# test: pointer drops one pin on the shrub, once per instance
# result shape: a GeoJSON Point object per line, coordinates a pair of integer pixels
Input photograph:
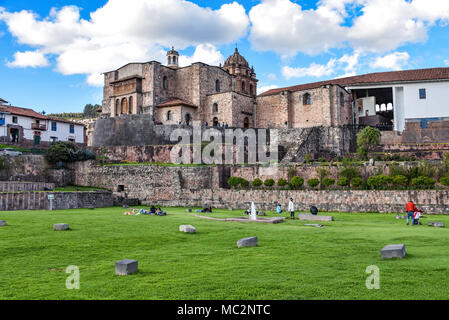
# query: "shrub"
{"type": "Point", "coordinates": [61, 152]}
{"type": "Point", "coordinates": [244, 183]}
{"type": "Point", "coordinates": [327, 182]}
{"type": "Point", "coordinates": [282, 182]}
{"type": "Point", "coordinates": [350, 173]}
{"type": "Point", "coordinates": [343, 182]}
{"type": "Point", "coordinates": [423, 182]}
{"type": "Point", "coordinates": [357, 182]}
{"type": "Point", "coordinates": [234, 181]}
{"type": "Point", "coordinates": [379, 182]}
{"type": "Point", "coordinates": [400, 181]}
{"type": "Point", "coordinates": [296, 182]}
{"type": "Point", "coordinates": [313, 182]}
{"type": "Point", "coordinates": [444, 181]}
{"type": "Point", "coordinates": [256, 182]}
{"type": "Point", "coordinates": [269, 182]}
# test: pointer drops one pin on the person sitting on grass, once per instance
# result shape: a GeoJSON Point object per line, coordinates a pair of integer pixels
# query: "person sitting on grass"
{"type": "Point", "coordinates": [130, 213]}
{"type": "Point", "coordinates": [159, 212]}
{"type": "Point", "coordinates": [279, 208]}
{"type": "Point", "coordinates": [152, 210]}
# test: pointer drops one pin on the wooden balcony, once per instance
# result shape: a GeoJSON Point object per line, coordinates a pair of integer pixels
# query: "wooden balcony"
{"type": "Point", "coordinates": [37, 126]}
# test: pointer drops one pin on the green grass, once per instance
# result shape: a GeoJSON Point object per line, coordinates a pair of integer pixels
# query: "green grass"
{"type": "Point", "coordinates": [292, 261]}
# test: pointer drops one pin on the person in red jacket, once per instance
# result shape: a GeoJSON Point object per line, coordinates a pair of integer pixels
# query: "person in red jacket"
{"type": "Point", "coordinates": [410, 208]}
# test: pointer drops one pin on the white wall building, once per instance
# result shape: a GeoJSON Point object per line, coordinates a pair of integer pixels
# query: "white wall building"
{"type": "Point", "coordinates": [27, 127]}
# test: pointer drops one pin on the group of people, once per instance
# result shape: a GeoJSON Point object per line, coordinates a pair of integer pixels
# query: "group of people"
{"type": "Point", "coordinates": [152, 212]}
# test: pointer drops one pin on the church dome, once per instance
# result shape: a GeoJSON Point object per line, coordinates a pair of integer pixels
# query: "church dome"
{"type": "Point", "coordinates": [236, 60]}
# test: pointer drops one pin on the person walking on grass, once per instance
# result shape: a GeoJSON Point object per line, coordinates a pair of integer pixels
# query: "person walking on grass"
{"type": "Point", "coordinates": [410, 208]}
{"type": "Point", "coordinates": [291, 208]}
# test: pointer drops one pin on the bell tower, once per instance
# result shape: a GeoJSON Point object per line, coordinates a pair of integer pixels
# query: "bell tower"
{"type": "Point", "coordinates": [173, 58]}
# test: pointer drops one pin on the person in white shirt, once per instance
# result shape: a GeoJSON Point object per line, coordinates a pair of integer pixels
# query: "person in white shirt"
{"type": "Point", "coordinates": [417, 214]}
{"type": "Point", "coordinates": [291, 208]}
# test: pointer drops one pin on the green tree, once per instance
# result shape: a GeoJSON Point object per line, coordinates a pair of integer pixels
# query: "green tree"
{"type": "Point", "coordinates": [90, 111]}
{"type": "Point", "coordinates": [327, 182]}
{"type": "Point", "coordinates": [368, 138]}
{"type": "Point", "coordinates": [296, 182]}
{"type": "Point", "coordinates": [269, 182]}
{"type": "Point", "coordinates": [282, 182]}
{"type": "Point", "coordinates": [313, 183]}
{"type": "Point", "coordinates": [256, 182]}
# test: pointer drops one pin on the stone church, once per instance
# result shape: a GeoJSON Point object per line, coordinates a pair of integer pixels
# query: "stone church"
{"type": "Point", "coordinates": [174, 95]}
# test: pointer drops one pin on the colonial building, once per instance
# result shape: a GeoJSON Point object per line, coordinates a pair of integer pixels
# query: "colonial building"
{"type": "Point", "coordinates": [26, 127]}
{"type": "Point", "coordinates": [214, 95]}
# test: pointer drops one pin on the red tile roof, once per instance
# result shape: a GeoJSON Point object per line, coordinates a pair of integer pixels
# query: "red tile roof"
{"type": "Point", "coordinates": [3, 101]}
{"type": "Point", "coordinates": [24, 112]}
{"type": "Point", "coordinates": [33, 114]}
{"type": "Point", "coordinates": [176, 102]}
{"type": "Point", "coordinates": [373, 78]}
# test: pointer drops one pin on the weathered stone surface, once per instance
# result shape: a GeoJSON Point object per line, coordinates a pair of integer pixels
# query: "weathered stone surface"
{"type": "Point", "coordinates": [126, 267]}
{"type": "Point", "coordinates": [61, 227]}
{"type": "Point", "coordinates": [187, 229]}
{"type": "Point", "coordinates": [315, 225]}
{"type": "Point", "coordinates": [393, 251]}
{"type": "Point", "coordinates": [248, 242]}
{"type": "Point", "coordinates": [436, 224]}
{"type": "Point", "coordinates": [261, 213]}
{"type": "Point", "coordinates": [2, 223]}
{"type": "Point", "coordinates": [311, 217]}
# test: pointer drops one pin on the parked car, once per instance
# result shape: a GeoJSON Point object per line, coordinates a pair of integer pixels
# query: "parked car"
{"type": "Point", "coordinates": [10, 152]}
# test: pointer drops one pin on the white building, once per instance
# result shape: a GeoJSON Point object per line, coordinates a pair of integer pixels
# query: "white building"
{"type": "Point", "coordinates": [27, 127]}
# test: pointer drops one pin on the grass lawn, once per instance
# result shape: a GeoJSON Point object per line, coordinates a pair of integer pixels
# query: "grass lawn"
{"type": "Point", "coordinates": [292, 261]}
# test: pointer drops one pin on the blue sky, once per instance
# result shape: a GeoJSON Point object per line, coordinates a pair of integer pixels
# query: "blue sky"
{"type": "Point", "coordinates": [53, 52]}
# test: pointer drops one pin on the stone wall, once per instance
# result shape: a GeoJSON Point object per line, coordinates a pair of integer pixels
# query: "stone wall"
{"type": "Point", "coordinates": [34, 168]}
{"type": "Point", "coordinates": [62, 200]}
{"type": "Point", "coordinates": [8, 186]}
{"type": "Point", "coordinates": [197, 186]}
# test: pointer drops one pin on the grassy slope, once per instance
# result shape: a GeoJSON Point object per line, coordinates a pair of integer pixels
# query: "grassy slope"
{"type": "Point", "coordinates": [292, 261]}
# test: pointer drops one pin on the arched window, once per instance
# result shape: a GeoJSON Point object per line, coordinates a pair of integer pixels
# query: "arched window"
{"type": "Point", "coordinates": [342, 99]}
{"type": "Point", "coordinates": [124, 106]}
{"type": "Point", "coordinates": [169, 115]}
{"type": "Point", "coordinates": [174, 60]}
{"type": "Point", "coordinates": [306, 99]}
{"type": "Point", "coordinates": [217, 85]}
{"type": "Point", "coordinates": [215, 108]}
{"type": "Point", "coordinates": [165, 83]}
{"type": "Point", "coordinates": [117, 107]}
{"type": "Point", "coordinates": [243, 86]}
{"type": "Point", "coordinates": [130, 105]}
{"type": "Point", "coordinates": [169, 60]}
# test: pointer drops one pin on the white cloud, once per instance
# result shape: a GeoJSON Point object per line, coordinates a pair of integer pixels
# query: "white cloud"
{"type": "Point", "coordinates": [124, 31]}
{"type": "Point", "coordinates": [266, 88]}
{"type": "Point", "coordinates": [393, 61]}
{"type": "Point", "coordinates": [347, 64]}
{"type": "Point", "coordinates": [31, 59]}
{"type": "Point", "coordinates": [206, 53]}
{"type": "Point", "coordinates": [314, 70]}
{"type": "Point", "coordinates": [446, 62]}
{"type": "Point", "coordinates": [271, 76]}
{"type": "Point", "coordinates": [382, 26]}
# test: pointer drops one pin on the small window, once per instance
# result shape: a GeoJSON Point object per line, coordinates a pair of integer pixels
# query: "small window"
{"type": "Point", "coordinates": [422, 94]}
{"type": "Point", "coordinates": [72, 128]}
{"type": "Point", "coordinates": [53, 139]}
{"type": "Point", "coordinates": [169, 116]}
{"type": "Point", "coordinates": [165, 83]}
{"type": "Point", "coordinates": [306, 99]}
{"type": "Point", "coordinates": [215, 108]}
{"type": "Point", "coordinates": [120, 188]}
{"type": "Point", "coordinates": [14, 120]}
{"type": "Point", "coordinates": [217, 85]}
{"type": "Point", "coordinates": [53, 126]}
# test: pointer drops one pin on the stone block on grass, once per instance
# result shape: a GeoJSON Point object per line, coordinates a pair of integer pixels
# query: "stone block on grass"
{"type": "Point", "coordinates": [436, 224]}
{"type": "Point", "coordinates": [125, 267]}
{"type": "Point", "coordinates": [248, 242]}
{"type": "Point", "coordinates": [187, 229]}
{"type": "Point", "coordinates": [393, 251]}
{"type": "Point", "coordinates": [2, 223]}
{"type": "Point", "coordinates": [61, 227]}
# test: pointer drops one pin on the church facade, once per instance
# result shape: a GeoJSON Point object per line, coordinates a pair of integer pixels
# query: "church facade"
{"type": "Point", "coordinates": [172, 95]}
